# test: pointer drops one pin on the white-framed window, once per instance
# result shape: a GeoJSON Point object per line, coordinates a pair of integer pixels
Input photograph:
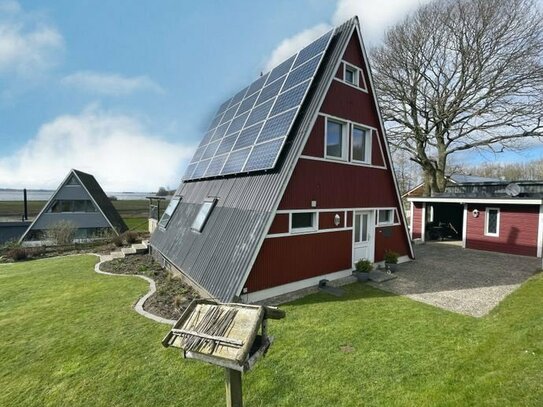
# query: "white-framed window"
{"type": "Point", "coordinates": [385, 217]}
{"type": "Point", "coordinates": [350, 74]}
{"type": "Point", "coordinates": [303, 222]}
{"type": "Point", "coordinates": [361, 144]}
{"type": "Point", "coordinates": [166, 216]}
{"type": "Point", "coordinates": [203, 214]}
{"type": "Point", "coordinates": [492, 222]}
{"type": "Point", "coordinates": [336, 139]}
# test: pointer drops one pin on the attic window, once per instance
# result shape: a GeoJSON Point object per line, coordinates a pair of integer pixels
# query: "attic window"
{"type": "Point", "coordinates": [172, 206]}
{"type": "Point", "coordinates": [336, 142]}
{"type": "Point", "coordinates": [72, 180]}
{"type": "Point", "coordinates": [351, 75]}
{"type": "Point", "coordinates": [203, 214]}
{"type": "Point", "coordinates": [361, 145]}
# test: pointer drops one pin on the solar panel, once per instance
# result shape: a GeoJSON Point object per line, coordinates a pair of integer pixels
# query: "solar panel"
{"type": "Point", "coordinates": [264, 155]}
{"type": "Point", "coordinates": [248, 136]}
{"type": "Point", "coordinates": [249, 130]}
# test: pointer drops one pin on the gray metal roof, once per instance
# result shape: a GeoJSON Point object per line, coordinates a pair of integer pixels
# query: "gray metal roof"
{"type": "Point", "coordinates": [219, 259]}
{"type": "Point", "coordinates": [467, 179]}
{"type": "Point", "coordinates": [107, 215]}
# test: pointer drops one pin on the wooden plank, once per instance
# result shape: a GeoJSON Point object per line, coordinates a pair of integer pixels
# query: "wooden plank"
{"type": "Point", "coordinates": [222, 339]}
{"type": "Point", "coordinates": [232, 381]}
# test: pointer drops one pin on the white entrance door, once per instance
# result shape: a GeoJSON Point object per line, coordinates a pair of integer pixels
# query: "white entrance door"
{"type": "Point", "coordinates": [363, 230]}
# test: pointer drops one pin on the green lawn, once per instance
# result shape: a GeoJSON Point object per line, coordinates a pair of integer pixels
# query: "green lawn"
{"type": "Point", "coordinates": [70, 337]}
{"type": "Point", "coordinates": [137, 224]}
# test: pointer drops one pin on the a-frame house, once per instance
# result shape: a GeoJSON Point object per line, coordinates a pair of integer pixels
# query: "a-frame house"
{"type": "Point", "coordinates": [80, 200]}
{"type": "Point", "coordinates": [255, 218]}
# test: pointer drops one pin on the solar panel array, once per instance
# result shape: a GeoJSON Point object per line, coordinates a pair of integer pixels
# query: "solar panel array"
{"type": "Point", "coordinates": [249, 130]}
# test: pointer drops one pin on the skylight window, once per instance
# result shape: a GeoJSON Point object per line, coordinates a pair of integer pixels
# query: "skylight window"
{"type": "Point", "coordinates": [172, 206]}
{"type": "Point", "coordinates": [203, 214]}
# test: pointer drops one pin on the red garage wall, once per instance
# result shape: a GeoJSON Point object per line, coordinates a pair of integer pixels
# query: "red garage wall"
{"type": "Point", "coordinates": [416, 233]}
{"type": "Point", "coordinates": [518, 230]}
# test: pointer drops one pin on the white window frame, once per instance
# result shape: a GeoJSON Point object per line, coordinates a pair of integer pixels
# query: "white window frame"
{"type": "Point", "coordinates": [388, 223]}
{"type": "Point", "coordinates": [487, 233]}
{"type": "Point", "coordinates": [369, 136]}
{"type": "Point", "coordinates": [213, 202]}
{"type": "Point", "coordinates": [345, 130]}
{"type": "Point", "coordinates": [313, 228]}
{"type": "Point", "coordinates": [356, 72]}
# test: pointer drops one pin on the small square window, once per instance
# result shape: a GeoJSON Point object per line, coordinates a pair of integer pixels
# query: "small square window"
{"type": "Point", "coordinates": [385, 217]}
{"type": "Point", "coordinates": [203, 214]}
{"type": "Point", "coordinates": [335, 132]}
{"type": "Point", "coordinates": [166, 216]}
{"type": "Point", "coordinates": [351, 75]}
{"type": "Point", "coordinates": [303, 221]}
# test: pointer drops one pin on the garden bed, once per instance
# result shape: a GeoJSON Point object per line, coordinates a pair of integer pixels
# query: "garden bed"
{"type": "Point", "coordinates": [172, 294]}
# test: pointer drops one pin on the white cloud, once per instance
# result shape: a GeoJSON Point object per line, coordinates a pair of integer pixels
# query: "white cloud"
{"type": "Point", "coordinates": [290, 46]}
{"type": "Point", "coordinates": [375, 17]}
{"type": "Point", "coordinates": [110, 84]}
{"type": "Point", "coordinates": [117, 149]}
{"type": "Point", "coordinates": [28, 45]}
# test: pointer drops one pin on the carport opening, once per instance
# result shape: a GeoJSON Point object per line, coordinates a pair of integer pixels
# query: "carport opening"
{"type": "Point", "coordinates": [444, 221]}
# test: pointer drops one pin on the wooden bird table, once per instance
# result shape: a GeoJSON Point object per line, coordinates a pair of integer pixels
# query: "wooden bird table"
{"type": "Point", "coordinates": [225, 335]}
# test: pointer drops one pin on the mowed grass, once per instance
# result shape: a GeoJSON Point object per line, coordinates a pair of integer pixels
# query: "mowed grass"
{"type": "Point", "coordinates": [70, 337]}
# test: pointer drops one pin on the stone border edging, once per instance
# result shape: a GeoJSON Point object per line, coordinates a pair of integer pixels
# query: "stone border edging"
{"type": "Point", "coordinates": [139, 305]}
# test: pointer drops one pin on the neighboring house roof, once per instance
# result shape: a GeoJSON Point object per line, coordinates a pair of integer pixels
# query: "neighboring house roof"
{"type": "Point", "coordinates": [96, 194]}
{"type": "Point", "coordinates": [466, 179]}
{"type": "Point", "coordinates": [453, 178]}
{"type": "Point", "coordinates": [219, 259]}
{"type": "Point", "coordinates": [101, 200]}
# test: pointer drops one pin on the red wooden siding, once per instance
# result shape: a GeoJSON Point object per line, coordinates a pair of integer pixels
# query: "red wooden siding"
{"type": "Point", "coordinates": [376, 150]}
{"type": "Point", "coordinates": [518, 228]}
{"type": "Point", "coordinates": [339, 73]}
{"type": "Point", "coordinates": [326, 220]}
{"type": "Point", "coordinates": [315, 143]}
{"type": "Point", "coordinates": [282, 260]}
{"type": "Point", "coordinates": [279, 224]}
{"type": "Point", "coordinates": [417, 220]}
{"type": "Point", "coordinates": [335, 185]}
{"type": "Point", "coordinates": [349, 219]}
{"type": "Point", "coordinates": [390, 238]}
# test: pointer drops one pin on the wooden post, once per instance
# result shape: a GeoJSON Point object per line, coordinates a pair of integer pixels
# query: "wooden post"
{"type": "Point", "coordinates": [232, 380]}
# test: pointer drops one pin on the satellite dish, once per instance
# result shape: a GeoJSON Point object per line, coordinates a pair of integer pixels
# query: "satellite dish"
{"type": "Point", "coordinates": [512, 189]}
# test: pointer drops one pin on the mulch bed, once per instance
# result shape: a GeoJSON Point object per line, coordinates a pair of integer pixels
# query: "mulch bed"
{"type": "Point", "coordinates": [172, 295]}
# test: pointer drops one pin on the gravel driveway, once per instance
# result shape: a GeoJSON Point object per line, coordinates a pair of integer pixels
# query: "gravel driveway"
{"type": "Point", "coordinates": [469, 282]}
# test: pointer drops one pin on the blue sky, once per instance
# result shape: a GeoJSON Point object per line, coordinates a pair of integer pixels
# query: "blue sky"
{"type": "Point", "coordinates": [123, 89]}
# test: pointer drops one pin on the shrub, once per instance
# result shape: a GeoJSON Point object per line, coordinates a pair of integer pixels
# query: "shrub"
{"type": "Point", "coordinates": [130, 237]}
{"type": "Point", "coordinates": [17, 253]}
{"type": "Point", "coordinates": [391, 257]}
{"type": "Point", "coordinates": [363, 266]}
{"type": "Point", "coordinates": [117, 241]}
{"type": "Point", "coordinates": [113, 198]}
{"type": "Point", "coordinates": [62, 233]}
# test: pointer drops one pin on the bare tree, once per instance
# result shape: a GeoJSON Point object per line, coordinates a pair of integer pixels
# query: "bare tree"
{"type": "Point", "coordinates": [459, 75]}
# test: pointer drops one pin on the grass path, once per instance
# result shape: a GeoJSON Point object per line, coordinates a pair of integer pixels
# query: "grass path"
{"type": "Point", "coordinates": [70, 337]}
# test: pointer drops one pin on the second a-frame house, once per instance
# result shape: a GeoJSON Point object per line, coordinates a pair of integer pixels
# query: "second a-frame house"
{"type": "Point", "coordinates": [80, 200]}
{"type": "Point", "coordinates": [292, 183]}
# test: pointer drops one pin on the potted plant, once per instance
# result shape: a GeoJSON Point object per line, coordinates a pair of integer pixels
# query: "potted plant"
{"type": "Point", "coordinates": [391, 261]}
{"type": "Point", "coordinates": [362, 269]}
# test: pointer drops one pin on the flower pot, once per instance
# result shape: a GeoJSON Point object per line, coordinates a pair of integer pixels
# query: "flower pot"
{"type": "Point", "coordinates": [361, 276]}
{"type": "Point", "coordinates": [393, 267]}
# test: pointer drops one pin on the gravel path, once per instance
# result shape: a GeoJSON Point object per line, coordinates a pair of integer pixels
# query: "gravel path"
{"type": "Point", "coordinates": [470, 282]}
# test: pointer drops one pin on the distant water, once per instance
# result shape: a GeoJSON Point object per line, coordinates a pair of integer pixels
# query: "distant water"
{"type": "Point", "coordinates": [17, 195]}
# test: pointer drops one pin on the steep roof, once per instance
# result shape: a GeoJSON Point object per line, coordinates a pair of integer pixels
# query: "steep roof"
{"type": "Point", "coordinates": [102, 201]}
{"type": "Point", "coordinates": [95, 193]}
{"type": "Point", "coordinates": [219, 259]}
